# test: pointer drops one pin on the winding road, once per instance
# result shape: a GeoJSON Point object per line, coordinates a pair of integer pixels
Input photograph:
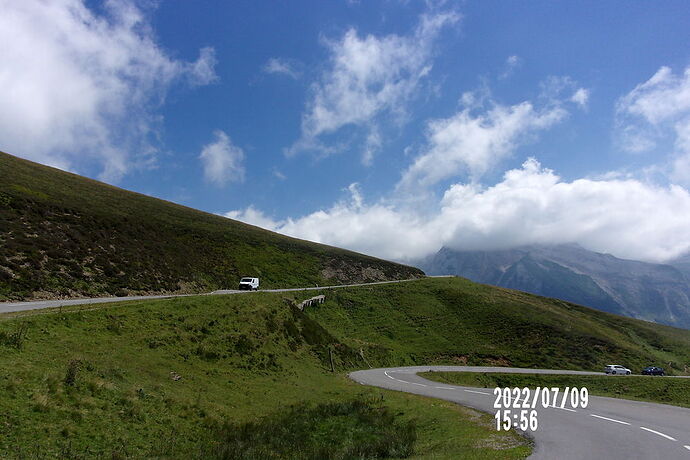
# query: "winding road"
{"type": "Point", "coordinates": [607, 428]}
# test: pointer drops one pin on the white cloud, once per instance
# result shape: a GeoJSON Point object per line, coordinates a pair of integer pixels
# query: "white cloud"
{"type": "Point", "coordinates": [372, 229]}
{"type": "Point", "coordinates": [371, 146]}
{"type": "Point", "coordinates": [581, 97]}
{"type": "Point", "coordinates": [512, 62]}
{"type": "Point", "coordinates": [368, 76]}
{"type": "Point", "coordinates": [222, 160]}
{"type": "Point", "coordinates": [283, 67]}
{"type": "Point", "coordinates": [533, 205]}
{"type": "Point", "coordinates": [254, 216]}
{"type": "Point", "coordinates": [78, 87]}
{"type": "Point", "coordinates": [202, 71]}
{"type": "Point", "coordinates": [658, 111]}
{"type": "Point", "coordinates": [530, 205]}
{"type": "Point", "coordinates": [663, 97]}
{"type": "Point", "coordinates": [475, 143]}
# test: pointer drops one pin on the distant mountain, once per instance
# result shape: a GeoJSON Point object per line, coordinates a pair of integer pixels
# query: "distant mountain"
{"type": "Point", "coordinates": [653, 292]}
{"type": "Point", "coordinates": [682, 263]}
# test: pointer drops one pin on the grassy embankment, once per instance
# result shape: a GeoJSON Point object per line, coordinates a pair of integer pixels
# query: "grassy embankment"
{"type": "Point", "coordinates": [641, 388]}
{"type": "Point", "coordinates": [67, 236]}
{"type": "Point", "coordinates": [244, 376]}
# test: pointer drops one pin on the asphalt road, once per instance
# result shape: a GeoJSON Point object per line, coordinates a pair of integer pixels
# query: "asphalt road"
{"type": "Point", "coordinates": [8, 307]}
{"type": "Point", "coordinates": [607, 429]}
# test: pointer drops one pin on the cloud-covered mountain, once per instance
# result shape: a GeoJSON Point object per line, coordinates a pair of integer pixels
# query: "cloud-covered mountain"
{"type": "Point", "coordinates": [653, 292]}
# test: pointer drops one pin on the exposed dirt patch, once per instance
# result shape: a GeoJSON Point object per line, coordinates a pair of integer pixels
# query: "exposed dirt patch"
{"type": "Point", "coordinates": [498, 362]}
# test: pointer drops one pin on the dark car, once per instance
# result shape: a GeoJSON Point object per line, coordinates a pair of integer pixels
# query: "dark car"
{"type": "Point", "coordinates": [652, 370]}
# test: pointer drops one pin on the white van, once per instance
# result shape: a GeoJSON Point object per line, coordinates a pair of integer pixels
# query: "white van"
{"type": "Point", "coordinates": [249, 284]}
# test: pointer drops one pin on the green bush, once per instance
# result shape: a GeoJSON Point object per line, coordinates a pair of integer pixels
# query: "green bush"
{"type": "Point", "coordinates": [357, 429]}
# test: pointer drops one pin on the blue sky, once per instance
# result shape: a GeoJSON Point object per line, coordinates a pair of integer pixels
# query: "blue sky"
{"type": "Point", "coordinates": [387, 127]}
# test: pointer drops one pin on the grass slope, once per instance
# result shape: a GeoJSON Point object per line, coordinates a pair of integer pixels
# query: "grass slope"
{"type": "Point", "coordinates": [67, 236]}
{"type": "Point", "coordinates": [642, 388]}
{"type": "Point", "coordinates": [211, 377]}
{"type": "Point", "coordinates": [453, 320]}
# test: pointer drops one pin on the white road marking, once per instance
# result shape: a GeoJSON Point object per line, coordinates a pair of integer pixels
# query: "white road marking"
{"type": "Point", "coordinates": [445, 388]}
{"type": "Point", "coordinates": [478, 392]}
{"type": "Point", "coordinates": [687, 447]}
{"type": "Point", "coordinates": [609, 419]}
{"type": "Point", "coordinates": [564, 408]}
{"type": "Point", "coordinates": [403, 381]}
{"type": "Point", "coordinates": [660, 434]}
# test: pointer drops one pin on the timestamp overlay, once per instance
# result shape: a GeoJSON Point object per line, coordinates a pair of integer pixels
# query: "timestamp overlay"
{"type": "Point", "coordinates": [519, 407]}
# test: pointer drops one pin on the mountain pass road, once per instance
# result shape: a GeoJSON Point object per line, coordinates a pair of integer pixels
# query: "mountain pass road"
{"type": "Point", "coordinates": [607, 428]}
{"type": "Point", "coordinates": [10, 307]}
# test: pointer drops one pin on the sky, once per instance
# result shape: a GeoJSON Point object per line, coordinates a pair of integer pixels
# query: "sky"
{"type": "Point", "coordinates": [388, 127]}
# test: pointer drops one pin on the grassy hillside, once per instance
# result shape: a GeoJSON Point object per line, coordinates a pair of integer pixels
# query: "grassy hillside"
{"type": "Point", "coordinates": [453, 320]}
{"type": "Point", "coordinates": [243, 376]}
{"type": "Point", "coordinates": [67, 236]}
{"type": "Point", "coordinates": [217, 376]}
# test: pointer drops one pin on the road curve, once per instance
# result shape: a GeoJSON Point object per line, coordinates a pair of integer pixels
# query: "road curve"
{"type": "Point", "coordinates": [608, 428]}
{"type": "Point", "coordinates": [10, 307]}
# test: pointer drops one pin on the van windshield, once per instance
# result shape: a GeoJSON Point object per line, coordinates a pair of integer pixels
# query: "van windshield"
{"type": "Point", "coordinates": [246, 280]}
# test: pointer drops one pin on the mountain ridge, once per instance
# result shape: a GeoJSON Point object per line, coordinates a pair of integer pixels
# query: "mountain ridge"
{"type": "Point", "coordinates": [642, 290]}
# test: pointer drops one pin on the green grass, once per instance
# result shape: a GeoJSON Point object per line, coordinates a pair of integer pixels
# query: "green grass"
{"type": "Point", "coordinates": [68, 236]}
{"type": "Point", "coordinates": [337, 430]}
{"type": "Point", "coordinates": [641, 388]}
{"type": "Point", "coordinates": [180, 378]}
{"type": "Point", "coordinates": [455, 321]}
{"type": "Point", "coordinates": [174, 378]}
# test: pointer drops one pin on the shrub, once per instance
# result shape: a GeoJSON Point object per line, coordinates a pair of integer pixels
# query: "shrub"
{"type": "Point", "coordinates": [14, 339]}
{"type": "Point", "coordinates": [342, 430]}
{"type": "Point", "coordinates": [72, 370]}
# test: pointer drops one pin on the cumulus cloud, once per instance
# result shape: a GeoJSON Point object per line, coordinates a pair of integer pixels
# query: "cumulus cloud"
{"type": "Point", "coordinates": [79, 87]}
{"type": "Point", "coordinates": [658, 111]}
{"type": "Point", "coordinates": [368, 76]}
{"type": "Point", "coordinates": [222, 160]}
{"type": "Point", "coordinates": [282, 67]}
{"type": "Point", "coordinates": [473, 143]}
{"type": "Point", "coordinates": [530, 205]}
{"type": "Point", "coordinates": [534, 205]}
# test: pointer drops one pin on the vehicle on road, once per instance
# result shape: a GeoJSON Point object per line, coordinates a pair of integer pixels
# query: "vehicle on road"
{"type": "Point", "coordinates": [249, 284]}
{"type": "Point", "coordinates": [617, 369]}
{"type": "Point", "coordinates": [653, 370]}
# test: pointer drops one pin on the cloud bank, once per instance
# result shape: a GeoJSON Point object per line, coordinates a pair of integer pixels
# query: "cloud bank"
{"type": "Point", "coordinates": [79, 88]}
{"type": "Point", "coordinates": [531, 205]}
